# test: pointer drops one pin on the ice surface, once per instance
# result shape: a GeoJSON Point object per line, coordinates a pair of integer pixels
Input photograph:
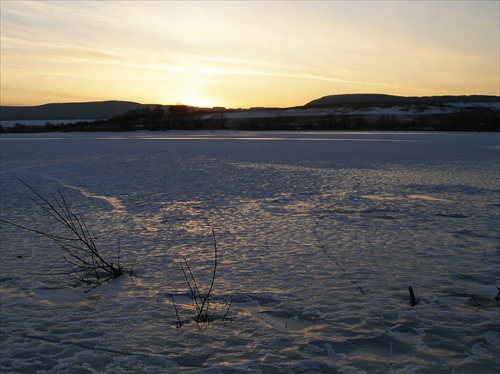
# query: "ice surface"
{"type": "Point", "coordinates": [319, 235]}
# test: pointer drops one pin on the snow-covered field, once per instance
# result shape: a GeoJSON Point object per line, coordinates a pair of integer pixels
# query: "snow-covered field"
{"type": "Point", "coordinates": [319, 236]}
{"type": "Point", "coordinates": [370, 109]}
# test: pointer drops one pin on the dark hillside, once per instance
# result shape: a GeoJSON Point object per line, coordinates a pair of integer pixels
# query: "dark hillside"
{"type": "Point", "coordinates": [389, 99]}
{"type": "Point", "coordinates": [90, 110]}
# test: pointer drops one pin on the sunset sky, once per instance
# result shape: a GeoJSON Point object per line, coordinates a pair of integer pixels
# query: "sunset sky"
{"type": "Point", "coordinates": [245, 53]}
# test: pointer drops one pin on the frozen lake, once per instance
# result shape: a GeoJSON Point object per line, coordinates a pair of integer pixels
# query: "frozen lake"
{"type": "Point", "coordinates": [319, 237]}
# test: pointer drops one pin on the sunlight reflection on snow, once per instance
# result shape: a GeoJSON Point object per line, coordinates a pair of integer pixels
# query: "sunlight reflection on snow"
{"type": "Point", "coordinates": [426, 197]}
{"type": "Point", "coordinates": [318, 243]}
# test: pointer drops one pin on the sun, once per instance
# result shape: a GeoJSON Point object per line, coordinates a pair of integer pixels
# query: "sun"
{"type": "Point", "coordinates": [195, 95]}
{"type": "Point", "coordinates": [198, 101]}
{"type": "Point", "coordinates": [188, 93]}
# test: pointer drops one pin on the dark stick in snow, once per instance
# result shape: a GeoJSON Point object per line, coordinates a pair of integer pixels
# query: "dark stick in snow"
{"type": "Point", "coordinates": [413, 302]}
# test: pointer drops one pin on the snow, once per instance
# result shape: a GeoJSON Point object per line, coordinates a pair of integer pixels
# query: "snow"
{"type": "Point", "coordinates": [369, 109]}
{"type": "Point", "coordinates": [319, 234]}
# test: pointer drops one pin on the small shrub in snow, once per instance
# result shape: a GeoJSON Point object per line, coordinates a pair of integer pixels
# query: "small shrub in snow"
{"type": "Point", "coordinates": [205, 312]}
{"type": "Point", "coordinates": [88, 266]}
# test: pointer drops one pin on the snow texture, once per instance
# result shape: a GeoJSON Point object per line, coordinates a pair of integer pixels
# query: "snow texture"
{"type": "Point", "coordinates": [319, 235]}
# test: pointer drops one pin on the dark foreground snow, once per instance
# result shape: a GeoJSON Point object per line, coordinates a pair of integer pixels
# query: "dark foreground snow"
{"type": "Point", "coordinates": [319, 235]}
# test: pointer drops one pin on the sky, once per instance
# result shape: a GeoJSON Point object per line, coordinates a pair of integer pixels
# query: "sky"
{"type": "Point", "coordinates": [242, 54]}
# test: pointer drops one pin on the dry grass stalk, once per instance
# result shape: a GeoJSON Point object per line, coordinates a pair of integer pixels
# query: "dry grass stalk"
{"type": "Point", "coordinates": [88, 266]}
{"type": "Point", "coordinates": [204, 312]}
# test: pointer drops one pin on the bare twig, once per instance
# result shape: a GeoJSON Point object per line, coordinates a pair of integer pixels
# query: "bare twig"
{"type": "Point", "coordinates": [228, 307]}
{"type": "Point", "coordinates": [473, 298]}
{"type": "Point", "coordinates": [176, 312]}
{"type": "Point", "coordinates": [202, 301]}
{"type": "Point", "coordinates": [192, 287]}
{"type": "Point", "coordinates": [413, 301]}
{"type": "Point", "coordinates": [79, 248]}
{"type": "Point", "coordinates": [206, 299]}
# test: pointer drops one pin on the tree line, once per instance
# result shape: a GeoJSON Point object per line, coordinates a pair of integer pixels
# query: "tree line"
{"type": "Point", "coordinates": [183, 117]}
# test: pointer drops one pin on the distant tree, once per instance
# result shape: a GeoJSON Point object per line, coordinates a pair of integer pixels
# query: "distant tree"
{"type": "Point", "coordinates": [180, 117]}
{"type": "Point", "coordinates": [156, 118]}
{"type": "Point", "coordinates": [216, 121]}
{"type": "Point", "coordinates": [346, 123]}
{"type": "Point", "coordinates": [19, 128]}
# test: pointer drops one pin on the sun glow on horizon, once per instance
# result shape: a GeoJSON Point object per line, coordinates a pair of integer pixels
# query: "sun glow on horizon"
{"type": "Point", "coordinates": [197, 101]}
{"type": "Point", "coordinates": [244, 54]}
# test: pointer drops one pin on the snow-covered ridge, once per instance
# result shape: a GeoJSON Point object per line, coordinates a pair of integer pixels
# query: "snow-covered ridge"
{"type": "Point", "coordinates": [357, 109]}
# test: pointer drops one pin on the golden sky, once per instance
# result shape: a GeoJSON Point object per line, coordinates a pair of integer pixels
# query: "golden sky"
{"type": "Point", "coordinates": [245, 53]}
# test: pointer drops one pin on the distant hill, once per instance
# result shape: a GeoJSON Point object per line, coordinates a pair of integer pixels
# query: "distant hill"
{"type": "Point", "coordinates": [88, 110]}
{"type": "Point", "coordinates": [108, 109]}
{"type": "Point", "coordinates": [334, 112]}
{"type": "Point", "coordinates": [390, 99]}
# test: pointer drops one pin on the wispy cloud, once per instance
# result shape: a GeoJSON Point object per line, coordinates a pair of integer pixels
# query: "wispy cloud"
{"type": "Point", "coordinates": [153, 50]}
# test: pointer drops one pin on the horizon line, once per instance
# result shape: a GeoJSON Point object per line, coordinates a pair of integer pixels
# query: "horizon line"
{"type": "Point", "coordinates": [263, 107]}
